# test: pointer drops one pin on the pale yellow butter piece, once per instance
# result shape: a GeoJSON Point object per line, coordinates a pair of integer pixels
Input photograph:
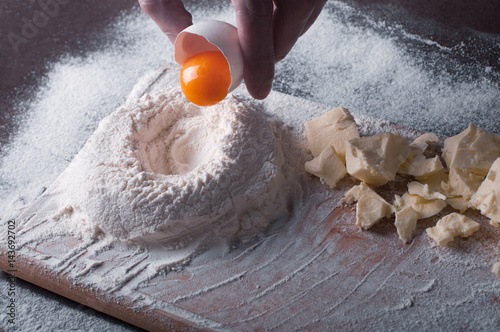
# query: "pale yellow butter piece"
{"type": "Point", "coordinates": [423, 207]}
{"type": "Point", "coordinates": [422, 142]}
{"type": "Point", "coordinates": [406, 222]}
{"type": "Point", "coordinates": [458, 203]}
{"type": "Point", "coordinates": [473, 149]}
{"type": "Point", "coordinates": [417, 164]}
{"type": "Point", "coordinates": [376, 159]}
{"type": "Point", "coordinates": [370, 207]}
{"type": "Point", "coordinates": [333, 128]}
{"type": "Point", "coordinates": [420, 166]}
{"type": "Point", "coordinates": [436, 181]}
{"type": "Point", "coordinates": [469, 156]}
{"type": "Point", "coordinates": [496, 269]}
{"type": "Point", "coordinates": [450, 226]}
{"type": "Point", "coordinates": [327, 166]}
{"type": "Point", "coordinates": [439, 182]}
{"type": "Point", "coordinates": [464, 183]}
{"type": "Point", "coordinates": [424, 191]}
{"type": "Point", "coordinates": [487, 197]}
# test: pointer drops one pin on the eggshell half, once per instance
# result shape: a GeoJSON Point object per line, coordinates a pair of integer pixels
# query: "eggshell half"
{"type": "Point", "coordinates": [212, 36]}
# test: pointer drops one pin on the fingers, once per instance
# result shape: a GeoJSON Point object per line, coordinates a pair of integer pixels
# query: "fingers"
{"type": "Point", "coordinates": [255, 30]}
{"type": "Point", "coordinates": [292, 18]}
{"type": "Point", "coordinates": [318, 7]}
{"type": "Point", "coordinates": [169, 15]}
{"type": "Point", "coordinates": [267, 31]}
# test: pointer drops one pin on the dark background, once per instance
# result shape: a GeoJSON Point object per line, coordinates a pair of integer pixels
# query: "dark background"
{"type": "Point", "coordinates": [75, 27]}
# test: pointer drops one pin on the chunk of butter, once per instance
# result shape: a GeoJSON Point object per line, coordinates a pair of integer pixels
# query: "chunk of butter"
{"type": "Point", "coordinates": [487, 197]}
{"type": "Point", "coordinates": [424, 208]}
{"type": "Point", "coordinates": [333, 128]}
{"type": "Point", "coordinates": [436, 181]}
{"type": "Point", "coordinates": [458, 203]}
{"type": "Point", "coordinates": [473, 149]}
{"type": "Point", "coordinates": [406, 222]}
{"type": "Point", "coordinates": [370, 207]}
{"type": "Point", "coordinates": [424, 191]}
{"type": "Point", "coordinates": [417, 164]}
{"type": "Point", "coordinates": [496, 269]}
{"type": "Point", "coordinates": [437, 186]}
{"type": "Point", "coordinates": [376, 159]}
{"type": "Point", "coordinates": [422, 142]}
{"type": "Point", "coordinates": [450, 226]}
{"type": "Point", "coordinates": [327, 166]}
{"type": "Point", "coordinates": [464, 183]}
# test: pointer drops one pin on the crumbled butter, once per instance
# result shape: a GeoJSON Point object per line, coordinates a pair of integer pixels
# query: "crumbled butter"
{"type": "Point", "coordinates": [422, 142]}
{"type": "Point", "coordinates": [327, 166]}
{"type": "Point", "coordinates": [473, 149]}
{"type": "Point", "coordinates": [469, 156]}
{"type": "Point", "coordinates": [468, 179]}
{"type": "Point", "coordinates": [453, 199]}
{"type": "Point", "coordinates": [487, 197]}
{"type": "Point", "coordinates": [450, 226]}
{"type": "Point", "coordinates": [370, 207]}
{"type": "Point", "coordinates": [376, 159]}
{"type": "Point", "coordinates": [406, 222]}
{"type": "Point", "coordinates": [417, 164]}
{"type": "Point", "coordinates": [333, 128]}
{"type": "Point", "coordinates": [464, 183]}
{"type": "Point", "coordinates": [496, 269]}
{"type": "Point", "coordinates": [425, 208]}
{"type": "Point", "coordinates": [436, 181]}
{"type": "Point", "coordinates": [458, 203]}
{"type": "Point", "coordinates": [424, 191]}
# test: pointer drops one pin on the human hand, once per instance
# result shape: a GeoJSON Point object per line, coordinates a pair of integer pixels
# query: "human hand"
{"type": "Point", "coordinates": [170, 16]}
{"type": "Point", "coordinates": [267, 31]}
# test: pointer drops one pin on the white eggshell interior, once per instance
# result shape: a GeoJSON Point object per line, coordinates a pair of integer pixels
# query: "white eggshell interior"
{"type": "Point", "coordinates": [212, 36]}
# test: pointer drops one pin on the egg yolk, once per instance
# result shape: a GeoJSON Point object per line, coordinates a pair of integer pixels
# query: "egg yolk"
{"type": "Point", "coordinates": [205, 78]}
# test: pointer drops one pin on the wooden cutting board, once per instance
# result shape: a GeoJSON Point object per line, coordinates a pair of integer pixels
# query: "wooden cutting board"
{"type": "Point", "coordinates": [314, 271]}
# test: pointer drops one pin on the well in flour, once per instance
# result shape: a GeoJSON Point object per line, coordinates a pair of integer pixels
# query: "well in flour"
{"type": "Point", "coordinates": [165, 170]}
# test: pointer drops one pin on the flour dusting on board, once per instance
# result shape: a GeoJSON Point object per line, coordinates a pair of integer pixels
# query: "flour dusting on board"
{"type": "Point", "coordinates": [367, 280]}
{"type": "Point", "coordinates": [353, 270]}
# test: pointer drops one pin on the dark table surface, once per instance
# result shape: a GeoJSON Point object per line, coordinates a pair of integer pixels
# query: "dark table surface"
{"type": "Point", "coordinates": [74, 28]}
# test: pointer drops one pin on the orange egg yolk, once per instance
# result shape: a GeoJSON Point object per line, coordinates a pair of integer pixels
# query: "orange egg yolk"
{"type": "Point", "coordinates": [205, 78]}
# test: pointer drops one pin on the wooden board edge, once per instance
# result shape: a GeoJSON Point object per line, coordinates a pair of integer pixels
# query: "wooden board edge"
{"type": "Point", "coordinates": [40, 275]}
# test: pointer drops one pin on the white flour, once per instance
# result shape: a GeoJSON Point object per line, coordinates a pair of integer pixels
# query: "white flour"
{"type": "Point", "coordinates": [343, 60]}
{"type": "Point", "coordinates": [166, 170]}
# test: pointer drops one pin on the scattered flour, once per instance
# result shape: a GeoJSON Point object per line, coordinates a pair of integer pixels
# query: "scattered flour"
{"type": "Point", "coordinates": [337, 63]}
{"type": "Point", "coordinates": [164, 169]}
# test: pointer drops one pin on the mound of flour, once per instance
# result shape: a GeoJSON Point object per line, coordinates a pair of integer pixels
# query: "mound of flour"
{"type": "Point", "coordinates": [165, 170]}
